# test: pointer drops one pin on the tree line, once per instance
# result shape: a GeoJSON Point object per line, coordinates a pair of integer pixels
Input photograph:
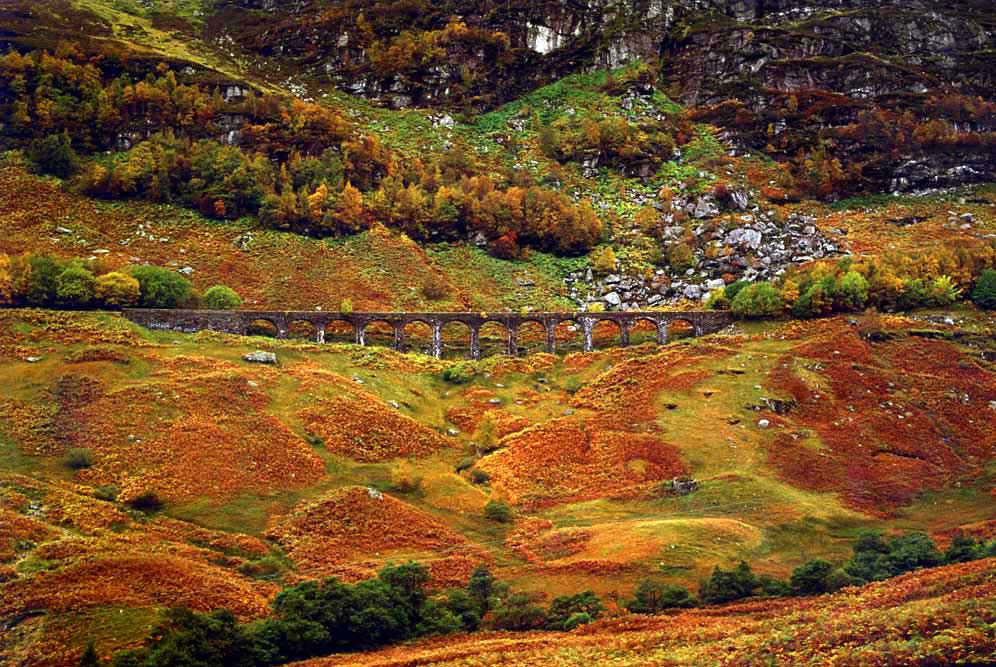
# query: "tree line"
{"type": "Point", "coordinates": [891, 282]}
{"type": "Point", "coordinates": [295, 165]}
{"type": "Point", "coordinates": [44, 281]}
{"type": "Point", "coordinates": [317, 618]}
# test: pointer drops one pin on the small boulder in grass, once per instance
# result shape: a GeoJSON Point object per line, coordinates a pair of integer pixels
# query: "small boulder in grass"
{"type": "Point", "coordinates": [260, 357]}
{"type": "Point", "coordinates": [763, 423]}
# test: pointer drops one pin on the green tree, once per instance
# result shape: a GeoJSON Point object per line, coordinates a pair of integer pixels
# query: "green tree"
{"type": "Point", "coordinates": [852, 291]}
{"type": "Point", "coordinates": [75, 286]}
{"type": "Point", "coordinates": [54, 155]}
{"type": "Point", "coordinates": [812, 578]}
{"type": "Point", "coordinates": [653, 597]}
{"type": "Point", "coordinates": [90, 657]}
{"type": "Point", "coordinates": [758, 300]}
{"type": "Point", "coordinates": [161, 288]}
{"type": "Point", "coordinates": [963, 549]}
{"type": "Point", "coordinates": [220, 297]}
{"type": "Point", "coordinates": [482, 587]}
{"type": "Point", "coordinates": [729, 585]}
{"type": "Point", "coordinates": [984, 294]}
{"type": "Point", "coordinates": [464, 608]}
{"type": "Point", "coordinates": [518, 612]}
{"type": "Point", "coordinates": [38, 282]}
{"type": "Point", "coordinates": [565, 607]}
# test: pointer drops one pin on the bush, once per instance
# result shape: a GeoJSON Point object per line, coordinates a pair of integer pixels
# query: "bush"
{"type": "Point", "coordinates": [220, 297]}
{"type": "Point", "coordinates": [653, 597]}
{"type": "Point", "coordinates": [117, 290]}
{"type": "Point", "coordinates": [498, 511]}
{"type": "Point", "coordinates": [459, 373]}
{"type": "Point", "coordinates": [681, 257]}
{"type": "Point", "coordinates": [984, 294]}
{"type": "Point", "coordinates": [75, 286]}
{"type": "Point", "coordinates": [147, 501]}
{"type": "Point", "coordinates": [107, 492]}
{"type": "Point", "coordinates": [161, 288]}
{"type": "Point", "coordinates": [435, 288]}
{"type": "Point", "coordinates": [78, 458]}
{"type": "Point", "coordinates": [479, 476]}
{"type": "Point", "coordinates": [486, 436]}
{"type": "Point", "coordinates": [576, 621]}
{"type": "Point", "coordinates": [603, 261]}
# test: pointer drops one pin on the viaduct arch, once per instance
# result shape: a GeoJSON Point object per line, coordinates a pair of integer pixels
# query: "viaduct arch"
{"type": "Point", "coordinates": [239, 321]}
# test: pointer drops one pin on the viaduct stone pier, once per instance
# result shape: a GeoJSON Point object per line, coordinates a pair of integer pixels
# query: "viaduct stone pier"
{"type": "Point", "coordinates": [239, 322]}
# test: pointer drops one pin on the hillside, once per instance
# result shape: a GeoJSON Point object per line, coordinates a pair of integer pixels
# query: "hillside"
{"type": "Point", "coordinates": [282, 488]}
{"type": "Point", "coordinates": [813, 485]}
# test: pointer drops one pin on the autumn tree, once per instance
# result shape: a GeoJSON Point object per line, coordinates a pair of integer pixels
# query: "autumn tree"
{"type": "Point", "coordinates": [117, 290]}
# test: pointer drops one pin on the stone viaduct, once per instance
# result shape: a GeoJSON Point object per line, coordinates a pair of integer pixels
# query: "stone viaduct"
{"type": "Point", "coordinates": [240, 321]}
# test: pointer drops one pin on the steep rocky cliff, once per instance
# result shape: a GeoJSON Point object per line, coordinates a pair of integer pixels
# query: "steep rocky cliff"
{"type": "Point", "coordinates": [781, 77]}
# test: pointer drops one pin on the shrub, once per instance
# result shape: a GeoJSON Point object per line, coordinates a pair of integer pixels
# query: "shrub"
{"type": "Point", "coordinates": [107, 492]}
{"type": "Point", "coordinates": [478, 476]}
{"type": "Point", "coordinates": [772, 586]}
{"type": "Point", "coordinates": [573, 384]}
{"type": "Point", "coordinates": [90, 657]}
{"type": "Point", "coordinates": [486, 434]}
{"type": "Point", "coordinates": [681, 257]}
{"type": "Point", "coordinates": [220, 297]}
{"type": "Point", "coordinates": [652, 597]}
{"type": "Point", "coordinates": [147, 501]}
{"type": "Point", "coordinates": [78, 458]}
{"type": "Point", "coordinates": [603, 260]}
{"type": "Point", "coordinates": [984, 294]}
{"type": "Point", "coordinates": [117, 290]}
{"type": "Point", "coordinates": [718, 300]}
{"type": "Point", "coordinates": [576, 620]}
{"type": "Point", "coordinates": [459, 373]}
{"type": "Point", "coordinates": [75, 286]}
{"type": "Point", "coordinates": [54, 155]}
{"type": "Point", "coordinates": [498, 511]}
{"type": "Point", "coordinates": [161, 288]}
{"type": "Point", "coordinates": [435, 288]}
{"type": "Point", "coordinates": [6, 282]}
{"type": "Point", "coordinates": [346, 306]}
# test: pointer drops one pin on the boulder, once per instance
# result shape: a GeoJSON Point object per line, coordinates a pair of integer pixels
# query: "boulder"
{"type": "Point", "coordinates": [260, 357]}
